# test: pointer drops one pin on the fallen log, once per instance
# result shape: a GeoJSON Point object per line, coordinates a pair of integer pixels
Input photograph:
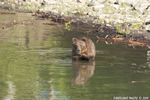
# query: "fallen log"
{"type": "Point", "coordinates": [124, 41]}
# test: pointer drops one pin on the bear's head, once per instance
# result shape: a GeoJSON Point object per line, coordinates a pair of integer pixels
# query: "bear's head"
{"type": "Point", "coordinates": [79, 46]}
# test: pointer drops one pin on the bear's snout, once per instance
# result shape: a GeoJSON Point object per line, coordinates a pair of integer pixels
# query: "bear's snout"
{"type": "Point", "coordinates": [78, 50]}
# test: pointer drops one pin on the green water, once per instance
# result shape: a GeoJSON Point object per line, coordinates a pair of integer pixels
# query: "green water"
{"type": "Point", "coordinates": [35, 64]}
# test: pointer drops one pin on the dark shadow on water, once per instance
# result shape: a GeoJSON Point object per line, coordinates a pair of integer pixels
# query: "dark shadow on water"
{"type": "Point", "coordinates": [82, 71]}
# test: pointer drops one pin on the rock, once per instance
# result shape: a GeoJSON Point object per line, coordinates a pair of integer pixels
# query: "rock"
{"type": "Point", "coordinates": [147, 23]}
{"type": "Point", "coordinates": [147, 27]}
{"type": "Point", "coordinates": [116, 6]}
{"type": "Point", "coordinates": [96, 8]}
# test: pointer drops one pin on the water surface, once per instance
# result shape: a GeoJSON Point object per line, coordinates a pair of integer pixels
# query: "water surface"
{"type": "Point", "coordinates": [35, 64]}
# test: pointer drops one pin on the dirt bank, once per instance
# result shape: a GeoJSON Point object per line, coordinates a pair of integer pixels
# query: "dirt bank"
{"type": "Point", "coordinates": [103, 32]}
{"type": "Point", "coordinates": [104, 18]}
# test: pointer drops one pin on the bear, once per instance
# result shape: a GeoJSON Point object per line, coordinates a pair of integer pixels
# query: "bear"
{"type": "Point", "coordinates": [83, 49]}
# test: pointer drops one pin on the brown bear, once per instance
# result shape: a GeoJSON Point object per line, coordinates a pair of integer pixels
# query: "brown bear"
{"type": "Point", "coordinates": [83, 49]}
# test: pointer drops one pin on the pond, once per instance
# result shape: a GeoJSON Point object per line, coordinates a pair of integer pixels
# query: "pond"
{"type": "Point", "coordinates": [36, 64]}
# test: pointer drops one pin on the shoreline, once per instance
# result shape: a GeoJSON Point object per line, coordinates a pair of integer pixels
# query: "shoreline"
{"type": "Point", "coordinates": [102, 24]}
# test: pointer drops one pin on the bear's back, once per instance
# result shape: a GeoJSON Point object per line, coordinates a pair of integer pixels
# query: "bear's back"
{"type": "Point", "coordinates": [90, 47]}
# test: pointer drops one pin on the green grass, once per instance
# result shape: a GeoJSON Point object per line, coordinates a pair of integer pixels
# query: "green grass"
{"type": "Point", "coordinates": [122, 30]}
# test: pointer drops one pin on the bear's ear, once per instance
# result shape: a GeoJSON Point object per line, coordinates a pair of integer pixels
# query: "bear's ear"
{"type": "Point", "coordinates": [74, 40]}
{"type": "Point", "coordinates": [84, 39]}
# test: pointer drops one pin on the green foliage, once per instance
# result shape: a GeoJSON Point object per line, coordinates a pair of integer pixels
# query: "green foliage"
{"type": "Point", "coordinates": [108, 9]}
{"type": "Point", "coordinates": [31, 8]}
{"type": "Point", "coordinates": [124, 4]}
{"type": "Point", "coordinates": [77, 9]}
{"type": "Point", "coordinates": [61, 9]}
{"type": "Point", "coordinates": [136, 26]}
{"type": "Point", "coordinates": [122, 30]}
{"type": "Point", "coordinates": [80, 10]}
{"type": "Point", "coordinates": [97, 21]}
{"type": "Point", "coordinates": [67, 26]}
{"type": "Point", "coordinates": [127, 31]}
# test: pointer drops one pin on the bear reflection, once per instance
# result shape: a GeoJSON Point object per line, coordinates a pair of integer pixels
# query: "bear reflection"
{"type": "Point", "coordinates": [82, 71]}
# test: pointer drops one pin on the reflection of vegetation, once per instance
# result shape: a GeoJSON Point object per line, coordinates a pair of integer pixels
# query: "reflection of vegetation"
{"type": "Point", "coordinates": [32, 72]}
{"type": "Point", "coordinates": [3, 62]}
{"type": "Point", "coordinates": [20, 70]}
{"type": "Point", "coordinates": [31, 77]}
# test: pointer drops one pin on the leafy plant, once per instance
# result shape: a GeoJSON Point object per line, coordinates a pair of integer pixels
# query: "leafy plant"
{"type": "Point", "coordinates": [67, 26]}
{"type": "Point", "coordinates": [122, 30]}
{"type": "Point", "coordinates": [136, 26]}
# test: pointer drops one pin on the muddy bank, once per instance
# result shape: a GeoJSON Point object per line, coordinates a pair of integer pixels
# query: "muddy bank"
{"type": "Point", "coordinates": [133, 15]}
{"type": "Point", "coordinates": [102, 31]}
{"type": "Point", "coordinates": [104, 18]}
